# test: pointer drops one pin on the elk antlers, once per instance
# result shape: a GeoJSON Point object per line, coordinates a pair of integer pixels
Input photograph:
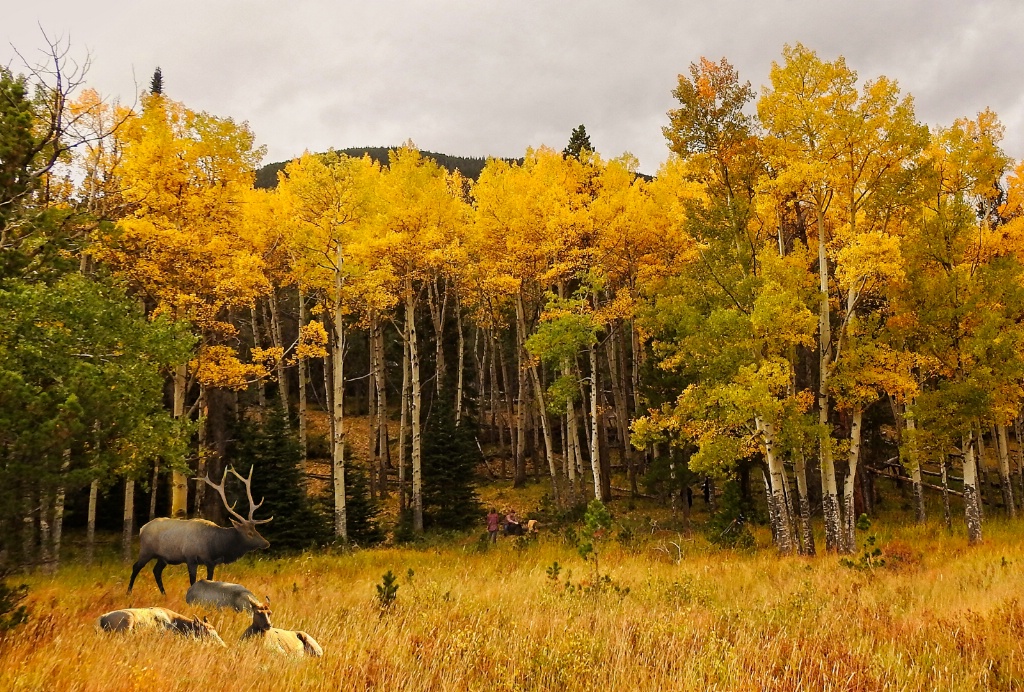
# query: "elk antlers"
{"type": "Point", "coordinates": [247, 482]}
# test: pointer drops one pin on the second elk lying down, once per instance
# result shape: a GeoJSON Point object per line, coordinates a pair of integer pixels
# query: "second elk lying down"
{"type": "Point", "coordinates": [221, 594]}
{"type": "Point", "coordinates": [284, 641]}
{"type": "Point", "coordinates": [160, 619]}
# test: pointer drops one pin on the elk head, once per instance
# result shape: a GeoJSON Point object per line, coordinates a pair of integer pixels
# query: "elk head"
{"type": "Point", "coordinates": [246, 528]}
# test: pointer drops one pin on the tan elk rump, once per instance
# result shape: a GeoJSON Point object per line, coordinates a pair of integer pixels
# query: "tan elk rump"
{"type": "Point", "coordinates": [159, 619]}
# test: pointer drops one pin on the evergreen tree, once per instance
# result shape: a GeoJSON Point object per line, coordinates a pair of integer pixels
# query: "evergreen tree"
{"type": "Point", "coordinates": [362, 512]}
{"type": "Point", "coordinates": [156, 85]}
{"type": "Point", "coordinates": [274, 450]}
{"type": "Point", "coordinates": [579, 141]}
{"type": "Point", "coordinates": [450, 456]}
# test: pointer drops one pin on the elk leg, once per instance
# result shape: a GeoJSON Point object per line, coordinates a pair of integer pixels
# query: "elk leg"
{"type": "Point", "coordinates": [136, 568]}
{"type": "Point", "coordinates": [192, 569]}
{"type": "Point", "coordinates": [209, 573]}
{"type": "Point", "coordinates": [158, 569]}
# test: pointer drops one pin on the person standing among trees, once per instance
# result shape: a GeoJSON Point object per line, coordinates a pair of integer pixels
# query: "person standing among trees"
{"type": "Point", "coordinates": [493, 524]}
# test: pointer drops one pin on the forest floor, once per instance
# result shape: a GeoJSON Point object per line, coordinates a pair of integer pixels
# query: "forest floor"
{"type": "Point", "coordinates": [661, 610]}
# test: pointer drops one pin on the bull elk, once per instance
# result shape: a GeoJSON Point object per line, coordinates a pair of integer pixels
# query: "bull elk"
{"type": "Point", "coordinates": [283, 641]}
{"type": "Point", "coordinates": [160, 619]}
{"type": "Point", "coordinates": [197, 541]}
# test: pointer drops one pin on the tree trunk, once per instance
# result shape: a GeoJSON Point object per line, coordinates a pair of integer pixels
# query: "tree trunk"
{"type": "Point", "coordinates": [981, 476]}
{"type": "Point", "coordinates": [511, 419]}
{"type": "Point", "coordinates": [403, 436]}
{"type": "Point", "coordinates": [800, 467]}
{"type": "Point", "coordinates": [945, 493]}
{"type": "Point", "coordinates": [303, 380]}
{"type": "Point", "coordinates": [781, 522]}
{"type": "Point", "coordinates": [616, 376]}
{"type": "Point", "coordinates": [275, 322]}
{"type": "Point", "coordinates": [437, 307]}
{"type": "Point", "coordinates": [338, 413]}
{"type": "Point", "coordinates": [1020, 457]}
{"type": "Point", "coordinates": [595, 426]}
{"type": "Point", "coordinates": [461, 359]}
{"type": "Point", "coordinates": [849, 515]}
{"type": "Point", "coordinates": [257, 342]}
{"type": "Point", "coordinates": [44, 528]}
{"type": "Point", "coordinates": [128, 530]}
{"type": "Point", "coordinates": [972, 509]}
{"type": "Point", "coordinates": [152, 489]}
{"type": "Point", "coordinates": [829, 490]}
{"type": "Point", "coordinates": [90, 527]}
{"type": "Point", "coordinates": [179, 481]}
{"type": "Point", "coordinates": [1004, 471]}
{"type": "Point", "coordinates": [371, 403]}
{"type": "Point", "coordinates": [58, 508]}
{"type": "Point", "coordinates": [520, 479]}
{"type": "Point", "coordinates": [414, 411]}
{"type": "Point", "coordinates": [384, 456]}
{"type": "Point", "coordinates": [915, 470]}
{"type": "Point", "coordinates": [201, 471]}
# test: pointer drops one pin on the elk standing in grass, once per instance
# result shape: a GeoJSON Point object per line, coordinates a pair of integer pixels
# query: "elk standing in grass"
{"type": "Point", "coordinates": [161, 619]}
{"type": "Point", "coordinates": [284, 641]}
{"type": "Point", "coordinates": [197, 541]}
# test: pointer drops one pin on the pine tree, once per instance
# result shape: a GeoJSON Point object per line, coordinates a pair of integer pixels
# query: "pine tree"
{"type": "Point", "coordinates": [273, 448]}
{"type": "Point", "coordinates": [362, 511]}
{"type": "Point", "coordinates": [156, 85]}
{"type": "Point", "coordinates": [450, 456]}
{"type": "Point", "coordinates": [579, 141]}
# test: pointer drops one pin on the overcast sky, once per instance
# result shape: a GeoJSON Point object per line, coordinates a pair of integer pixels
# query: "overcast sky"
{"type": "Point", "coordinates": [491, 77]}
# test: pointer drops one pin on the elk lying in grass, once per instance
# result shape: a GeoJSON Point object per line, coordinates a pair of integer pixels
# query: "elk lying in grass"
{"type": "Point", "coordinates": [161, 619]}
{"type": "Point", "coordinates": [284, 641]}
{"type": "Point", "coordinates": [197, 541]}
{"type": "Point", "coordinates": [220, 594]}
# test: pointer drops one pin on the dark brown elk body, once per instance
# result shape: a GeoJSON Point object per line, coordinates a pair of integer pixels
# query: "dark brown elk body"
{"type": "Point", "coordinates": [160, 619]}
{"type": "Point", "coordinates": [220, 594]}
{"type": "Point", "coordinates": [283, 641]}
{"type": "Point", "coordinates": [195, 542]}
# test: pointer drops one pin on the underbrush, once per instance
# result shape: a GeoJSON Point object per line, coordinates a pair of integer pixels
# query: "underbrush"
{"type": "Point", "coordinates": [665, 610]}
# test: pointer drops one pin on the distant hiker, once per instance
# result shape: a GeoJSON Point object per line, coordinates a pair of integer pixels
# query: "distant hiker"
{"type": "Point", "coordinates": [493, 524]}
{"type": "Point", "coordinates": [512, 525]}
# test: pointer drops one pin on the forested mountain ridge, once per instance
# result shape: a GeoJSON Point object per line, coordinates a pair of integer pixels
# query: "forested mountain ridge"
{"type": "Point", "coordinates": [468, 166]}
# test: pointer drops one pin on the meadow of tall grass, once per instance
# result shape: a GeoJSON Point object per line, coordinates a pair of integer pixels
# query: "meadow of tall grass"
{"type": "Point", "coordinates": [674, 613]}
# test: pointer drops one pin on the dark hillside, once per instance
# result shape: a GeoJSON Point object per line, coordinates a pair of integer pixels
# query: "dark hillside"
{"type": "Point", "coordinates": [469, 166]}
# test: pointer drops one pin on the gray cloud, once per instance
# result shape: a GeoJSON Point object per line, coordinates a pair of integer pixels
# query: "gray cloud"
{"type": "Point", "coordinates": [478, 77]}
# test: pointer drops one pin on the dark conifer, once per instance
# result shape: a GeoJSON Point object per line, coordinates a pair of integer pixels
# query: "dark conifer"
{"type": "Point", "coordinates": [450, 458]}
{"type": "Point", "coordinates": [579, 141]}
{"type": "Point", "coordinates": [156, 85]}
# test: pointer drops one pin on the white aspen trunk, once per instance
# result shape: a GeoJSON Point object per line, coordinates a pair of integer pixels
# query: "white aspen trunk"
{"type": "Point", "coordinates": [850, 542]}
{"type": "Point", "coordinates": [414, 412]}
{"type": "Point", "coordinates": [800, 468]}
{"type": "Point", "coordinates": [153, 488]}
{"type": "Point", "coordinates": [595, 424]}
{"type": "Point", "coordinates": [437, 307]}
{"type": "Point", "coordinates": [1004, 471]}
{"type": "Point", "coordinates": [972, 513]}
{"type": "Point", "coordinates": [461, 360]}
{"type": "Point", "coordinates": [261, 391]}
{"type": "Point", "coordinates": [574, 434]}
{"type": "Point", "coordinates": [58, 507]}
{"type": "Point", "coordinates": [179, 481]}
{"type": "Point", "coordinates": [338, 413]}
{"type": "Point", "coordinates": [303, 380]}
{"type": "Point", "coordinates": [570, 450]}
{"type": "Point", "coordinates": [403, 435]}
{"type": "Point", "coordinates": [538, 392]}
{"type": "Point", "coordinates": [945, 494]}
{"type": "Point", "coordinates": [129, 520]}
{"type": "Point", "coordinates": [782, 524]}
{"type": "Point", "coordinates": [276, 335]}
{"type": "Point", "coordinates": [90, 527]}
{"type": "Point", "coordinates": [829, 490]}
{"type": "Point", "coordinates": [510, 418]}
{"type": "Point", "coordinates": [915, 471]}
{"type": "Point", "coordinates": [520, 479]}
{"type": "Point", "coordinates": [980, 476]}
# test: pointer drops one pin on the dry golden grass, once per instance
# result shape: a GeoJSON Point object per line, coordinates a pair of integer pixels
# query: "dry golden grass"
{"type": "Point", "coordinates": [937, 616]}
